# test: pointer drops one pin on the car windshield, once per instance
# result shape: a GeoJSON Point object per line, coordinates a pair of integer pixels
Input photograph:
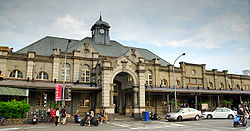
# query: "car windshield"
{"type": "Point", "coordinates": [178, 110]}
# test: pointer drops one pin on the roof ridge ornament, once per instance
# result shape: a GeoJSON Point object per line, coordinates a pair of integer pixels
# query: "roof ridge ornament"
{"type": "Point", "coordinates": [100, 19]}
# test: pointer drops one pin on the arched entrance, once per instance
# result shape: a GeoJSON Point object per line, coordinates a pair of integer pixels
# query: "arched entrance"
{"type": "Point", "coordinates": [122, 95]}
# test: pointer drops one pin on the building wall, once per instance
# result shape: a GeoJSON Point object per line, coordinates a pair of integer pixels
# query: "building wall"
{"type": "Point", "coordinates": [106, 68]}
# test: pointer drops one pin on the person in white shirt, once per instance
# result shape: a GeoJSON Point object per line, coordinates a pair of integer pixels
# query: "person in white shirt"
{"type": "Point", "coordinates": [57, 117]}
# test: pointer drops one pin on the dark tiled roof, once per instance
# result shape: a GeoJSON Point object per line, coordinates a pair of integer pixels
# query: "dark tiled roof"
{"type": "Point", "coordinates": [46, 45]}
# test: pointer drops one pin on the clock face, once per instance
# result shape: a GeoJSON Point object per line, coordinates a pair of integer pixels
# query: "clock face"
{"type": "Point", "coordinates": [102, 31]}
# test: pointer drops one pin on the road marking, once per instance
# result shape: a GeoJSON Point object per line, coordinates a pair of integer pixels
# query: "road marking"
{"type": "Point", "coordinates": [173, 124]}
{"type": "Point", "coordinates": [9, 129]}
{"type": "Point", "coordinates": [119, 125]}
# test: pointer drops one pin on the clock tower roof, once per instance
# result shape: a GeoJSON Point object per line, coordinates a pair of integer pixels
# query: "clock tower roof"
{"type": "Point", "coordinates": [100, 23]}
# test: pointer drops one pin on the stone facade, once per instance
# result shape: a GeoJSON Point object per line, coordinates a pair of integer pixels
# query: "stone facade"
{"type": "Point", "coordinates": [127, 84]}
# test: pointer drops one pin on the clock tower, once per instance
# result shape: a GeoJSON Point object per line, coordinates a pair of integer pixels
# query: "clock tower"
{"type": "Point", "coordinates": [100, 32]}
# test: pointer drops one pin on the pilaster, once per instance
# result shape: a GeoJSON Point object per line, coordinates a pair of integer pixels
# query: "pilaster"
{"type": "Point", "coordinates": [216, 86]}
{"type": "Point", "coordinates": [56, 64]}
{"type": "Point", "coordinates": [30, 65]}
{"type": "Point", "coordinates": [76, 66]}
{"type": "Point", "coordinates": [183, 71]}
{"type": "Point", "coordinates": [226, 79]}
{"type": "Point", "coordinates": [204, 76]}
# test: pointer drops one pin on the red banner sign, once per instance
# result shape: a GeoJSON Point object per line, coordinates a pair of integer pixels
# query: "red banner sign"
{"type": "Point", "coordinates": [58, 92]}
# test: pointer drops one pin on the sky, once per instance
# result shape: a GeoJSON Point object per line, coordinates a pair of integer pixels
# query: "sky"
{"type": "Point", "coordinates": [211, 32]}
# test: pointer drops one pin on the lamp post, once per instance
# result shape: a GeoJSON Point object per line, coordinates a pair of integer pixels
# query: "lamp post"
{"type": "Point", "coordinates": [175, 103]}
{"type": "Point", "coordinates": [64, 78]}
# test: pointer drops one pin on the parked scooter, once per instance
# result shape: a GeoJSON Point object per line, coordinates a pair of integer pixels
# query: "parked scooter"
{"type": "Point", "coordinates": [34, 118]}
{"type": "Point", "coordinates": [95, 120]}
{"type": "Point", "coordinates": [237, 121]}
{"type": "Point", "coordinates": [154, 116]}
{"type": "Point", "coordinates": [77, 118]}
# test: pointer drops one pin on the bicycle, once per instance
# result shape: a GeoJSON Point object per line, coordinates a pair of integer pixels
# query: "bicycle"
{"type": "Point", "coordinates": [3, 121]}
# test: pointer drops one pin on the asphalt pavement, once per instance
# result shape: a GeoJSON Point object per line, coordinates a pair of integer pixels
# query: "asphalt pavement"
{"type": "Point", "coordinates": [203, 124]}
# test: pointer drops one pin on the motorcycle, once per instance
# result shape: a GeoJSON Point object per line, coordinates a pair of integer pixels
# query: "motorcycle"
{"type": "Point", "coordinates": [95, 120]}
{"type": "Point", "coordinates": [77, 118]}
{"type": "Point", "coordinates": [154, 116]}
{"type": "Point", "coordinates": [237, 121]}
{"type": "Point", "coordinates": [34, 118]}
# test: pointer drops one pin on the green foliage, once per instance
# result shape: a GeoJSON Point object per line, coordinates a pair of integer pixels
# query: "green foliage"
{"type": "Point", "coordinates": [54, 105]}
{"type": "Point", "coordinates": [226, 102]}
{"type": "Point", "coordinates": [14, 109]}
{"type": "Point", "coordinates": [172, 102]}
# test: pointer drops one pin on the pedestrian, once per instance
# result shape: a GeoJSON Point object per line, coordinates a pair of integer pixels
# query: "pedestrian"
{"type": "Point", "coordinates": [57, 117]}
{"type": "Point", "coordinates": [104, 116]}
{"type": "Point", "coordinates": [91, 116]}
{"type": "Point", "coordinates": [63, 112]}
{"type": "Point", "coordinates": [48, 111]}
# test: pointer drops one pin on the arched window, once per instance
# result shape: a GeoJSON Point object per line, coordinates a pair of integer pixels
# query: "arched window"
{"type": "Point", "coordinates": [148, 78]}
{"type": "Point", "coordinates": [164, 83]}
{"type": "Point", "coordinates": [178, 83]}
{"type": "Point", "coordinates": [221, 85]}
{"type": "Point", "coordinates": [211, 85]}
{"type": "Point", "coordinates": [42, 76]}
{"type": "Point", "coordinates": [67, 78]}
{"type": "Point", "coordinates": [16, 74]}
{"type": "Point", "coordinates": [85, 74]}
{"type": "Point", "coordinates": [238, 86]}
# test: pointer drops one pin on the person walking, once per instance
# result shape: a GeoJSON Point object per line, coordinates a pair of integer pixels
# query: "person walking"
{"type": "Point", "coordinates": [91, 116]}
{"type": "Point", "coordinates": [64, 112]}
{"type": "Point", "coordinates": [57, 117]}
{"type": "Point", "coordinates": [104, 116]}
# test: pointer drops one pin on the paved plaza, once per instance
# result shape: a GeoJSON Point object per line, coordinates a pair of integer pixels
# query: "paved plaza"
{"type": "Point", "coordinates": [213, 125]}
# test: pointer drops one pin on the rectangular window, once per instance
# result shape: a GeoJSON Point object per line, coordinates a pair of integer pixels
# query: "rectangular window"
{"type": "Point", "coordinates": [149, 101]}
{"type": "Point", "coordinates": [85, 100]}
{"type": "Point", "coordinates": [39, 99]}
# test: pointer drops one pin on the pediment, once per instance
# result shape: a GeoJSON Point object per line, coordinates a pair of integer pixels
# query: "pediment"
{"type": "Point", "coordinates": [85, 50]}
{"type": "Point", "coordinates": [128, 60]}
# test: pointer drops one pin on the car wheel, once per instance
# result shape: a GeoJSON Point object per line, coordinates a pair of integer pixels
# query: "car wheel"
{"type": "Point", "coordinates": [179, 118]}
{"type": "Point", "coordinates": [209, 116]}
{"type": "Point", "coordinates": [197, 117]}
{"type": "Point", "coordinates": [230, 116]}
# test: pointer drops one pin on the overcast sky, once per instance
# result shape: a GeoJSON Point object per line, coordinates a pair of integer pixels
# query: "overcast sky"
{"type": "Point", "coordinates": [211, 32]}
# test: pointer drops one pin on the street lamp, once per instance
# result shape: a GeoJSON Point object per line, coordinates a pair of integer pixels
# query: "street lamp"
{"type": "Point", "coordinates": [175, 103]}
{"type": "Point", "coordinates": [63, 99]}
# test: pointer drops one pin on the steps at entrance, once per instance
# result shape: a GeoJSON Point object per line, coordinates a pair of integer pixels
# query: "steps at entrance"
{"type": "Point", "coordinates": [117, 117]}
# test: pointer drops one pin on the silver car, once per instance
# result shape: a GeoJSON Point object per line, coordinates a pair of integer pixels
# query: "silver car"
{"type": "Point", "coordinates": [184, 113]}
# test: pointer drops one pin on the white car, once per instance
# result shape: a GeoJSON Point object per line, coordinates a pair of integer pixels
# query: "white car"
{"type": "Point", "coordinates": [184, 113]}
{"type": "Point", "coordinates": [220, 113]}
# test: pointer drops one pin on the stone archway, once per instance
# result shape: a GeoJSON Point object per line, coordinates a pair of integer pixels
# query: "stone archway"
{"type": "Point", "coordinates": [121, 93]}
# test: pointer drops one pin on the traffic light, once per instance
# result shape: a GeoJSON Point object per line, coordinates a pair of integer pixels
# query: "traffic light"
{"type": "Point", "coordinates": [67, 93]}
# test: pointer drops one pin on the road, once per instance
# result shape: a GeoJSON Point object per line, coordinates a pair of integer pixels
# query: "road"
{"type": "Point", "coordinates": [204, 124]}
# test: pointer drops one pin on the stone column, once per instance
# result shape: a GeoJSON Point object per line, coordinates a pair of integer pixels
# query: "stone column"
{"type": "Point", "coordinates": [204, 76]}
{"type": "Point", "coordinates": [136, 111]}
{"type": "Point", "coordinates": [112, 95]}
{"type": "Point", "coordinates": [226, 79]}
{"type": "Point", "coordinates": [106, 86]}
{"type": "Point", "coordinates": [183, 71]}
{"type": "Point", "coordinates": [56, 64]}
{"type": "Point", "coordinates": [215, 78]}
{"type": "Point", "coordinates": [76, 67]}
{"type": "Point", "coordinates": [30, 65]}
{"type": "Point", "coordinates": [135, 90]}
{"type": "Point", "coordinates": [171, 76]}
{"type": "Point", "coordinates": [196, 101]}
{"type": "Point", "coordinates": [141, 80]}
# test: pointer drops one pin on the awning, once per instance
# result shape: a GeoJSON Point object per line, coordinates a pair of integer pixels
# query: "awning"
{"type": "Point", "coordinates": [12, 91]}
